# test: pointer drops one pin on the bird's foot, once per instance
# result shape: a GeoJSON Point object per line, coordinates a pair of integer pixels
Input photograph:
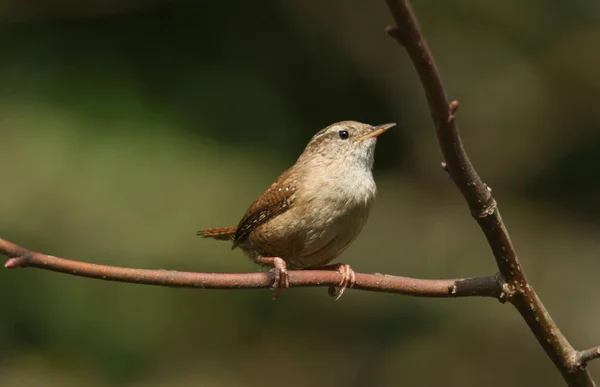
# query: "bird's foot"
{"type": "Point", "coordinates": [348, 279]}
{"type": "Point", "coordinates": [281, 278]}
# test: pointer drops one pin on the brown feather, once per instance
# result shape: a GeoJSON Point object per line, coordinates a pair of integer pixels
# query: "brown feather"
{"type": "Point", "coordinates": [275, 200]}
{"type": "Point", "coordinates": [221, 233]}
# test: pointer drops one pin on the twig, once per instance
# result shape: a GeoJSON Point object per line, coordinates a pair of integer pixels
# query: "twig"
{"type": "Point", "coordinates": [511, 284]}
{"type": "Point", "coordinates": [588, 355]}
{"type": "Point", "coordinates": [479, 198]}
{"type": "Point", "coordinates": [20, 257]}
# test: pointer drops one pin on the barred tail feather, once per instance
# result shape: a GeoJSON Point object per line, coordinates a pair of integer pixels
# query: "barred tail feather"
{"type": "Point", "coordinates": [222, 233]}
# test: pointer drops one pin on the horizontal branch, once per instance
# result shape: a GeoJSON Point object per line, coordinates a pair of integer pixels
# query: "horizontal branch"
{"type": "Point", "coordinates": [20, 257]}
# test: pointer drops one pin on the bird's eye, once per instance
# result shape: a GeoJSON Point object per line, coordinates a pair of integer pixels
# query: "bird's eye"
{"type": "Point", "coordinates": [343, 134]}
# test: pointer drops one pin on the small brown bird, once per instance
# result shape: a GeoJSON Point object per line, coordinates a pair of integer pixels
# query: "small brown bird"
{"type": "Point", "coordinates": [315, 209]}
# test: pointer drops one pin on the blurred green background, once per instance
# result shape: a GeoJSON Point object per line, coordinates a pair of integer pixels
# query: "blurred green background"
{"type": "Point", "coordinates": [125, 126]}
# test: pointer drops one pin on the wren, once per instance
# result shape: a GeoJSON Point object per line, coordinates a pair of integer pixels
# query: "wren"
{"type": "Point", "coordinates": [315, 209]}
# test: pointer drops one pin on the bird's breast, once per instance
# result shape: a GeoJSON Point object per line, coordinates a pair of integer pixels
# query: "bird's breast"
{"type": "Point", "coordinates": [332, 224]}
{"type": "Point", "coordinates": [326, 217]}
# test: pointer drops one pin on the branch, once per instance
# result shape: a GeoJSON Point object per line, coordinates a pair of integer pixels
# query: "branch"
{"type": "Point", "coordinates": [480, 201]}
{"type": "Point", "coordinates": [20, 257]}
{"type": "Point", "coordinates": [511, 284]}
{"type": "Point", "coordinates": [588, 354]}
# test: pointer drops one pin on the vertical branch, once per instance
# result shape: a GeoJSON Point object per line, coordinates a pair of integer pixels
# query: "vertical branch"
{"type": "Point", "coordinates": [480, 200]}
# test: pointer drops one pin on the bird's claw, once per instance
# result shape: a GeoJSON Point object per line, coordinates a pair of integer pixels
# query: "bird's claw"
{"type": "Point", "coordinates": [280, 273]}
{"type": "Point", "coordinates": [348, 279]}
{"type": "Point", "coordinates": [281, 278]}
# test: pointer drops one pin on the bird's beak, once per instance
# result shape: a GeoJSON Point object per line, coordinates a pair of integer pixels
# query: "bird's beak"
{"type": "Point", "coordinates": [377, 130]}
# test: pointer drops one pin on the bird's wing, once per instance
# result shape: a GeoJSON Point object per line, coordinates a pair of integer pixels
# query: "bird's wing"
{"type": "Point", "coordinates": [275, 200]}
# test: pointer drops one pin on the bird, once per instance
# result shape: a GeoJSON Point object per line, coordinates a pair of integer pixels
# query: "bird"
{"type": "Point", "coordinates": [315, 209]}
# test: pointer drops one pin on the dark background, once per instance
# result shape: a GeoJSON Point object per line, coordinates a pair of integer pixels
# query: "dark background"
{"type": "Point", "coordinates": [125, 126]}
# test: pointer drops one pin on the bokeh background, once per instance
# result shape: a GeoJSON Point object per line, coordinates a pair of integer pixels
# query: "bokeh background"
{"type": "Point", "coordinates": [125, 126]}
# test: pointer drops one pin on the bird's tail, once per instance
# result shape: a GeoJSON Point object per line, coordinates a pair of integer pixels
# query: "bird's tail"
{"type": "Point", "coordinates": [221, 233]}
